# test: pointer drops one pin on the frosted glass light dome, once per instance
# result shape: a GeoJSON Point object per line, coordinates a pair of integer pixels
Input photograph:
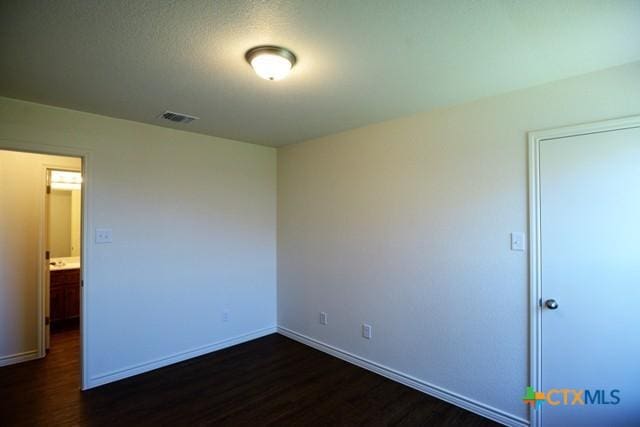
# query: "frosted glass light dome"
{"type": "Point", "coordinates": [271, 62]}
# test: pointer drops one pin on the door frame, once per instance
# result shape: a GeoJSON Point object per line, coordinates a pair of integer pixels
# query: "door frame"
{"type": "Point", "coordinates": [535, 262]}
{"type": "Point", "coordinates": [45, 245]}
{"type": "Point", "coordinates": [85, 155]}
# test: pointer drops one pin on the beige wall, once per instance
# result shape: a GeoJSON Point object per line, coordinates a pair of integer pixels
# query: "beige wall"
{"type": "Point", "coordinates": [194, 234]}
{"type": "Point", "coordinates": [60, 223]}
{"type": "Point", "coordinates": [22, 186]}
{"type": "Point", "coordinates": [65, 223]}
{"type": "Point", "coordinates": [76, 222]}
{"type": "Point", "coordinates": [405, 225]}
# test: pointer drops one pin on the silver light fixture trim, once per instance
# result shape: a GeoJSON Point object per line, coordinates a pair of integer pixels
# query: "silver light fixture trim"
{"type": "Point", "coordinates": [271, 62]}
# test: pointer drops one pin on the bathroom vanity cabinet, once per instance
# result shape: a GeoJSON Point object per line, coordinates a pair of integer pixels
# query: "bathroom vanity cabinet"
{"type": "Point", "coordinates": [64, 299]}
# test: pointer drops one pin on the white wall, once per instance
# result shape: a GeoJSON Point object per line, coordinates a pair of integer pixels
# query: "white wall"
{"type": "Point", "coordinates": [405, 225]}
{"type": "Point", "coordinates": [194, 233]}
{"type": "Point", "coordinates": [22, 186]}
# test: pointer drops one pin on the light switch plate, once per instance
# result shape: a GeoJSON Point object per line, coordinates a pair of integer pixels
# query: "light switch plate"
{"type": "Point", "coordinates": [517, 241]}
{"type": "Point", "coordinates": [104, 235]}
{"type": "Point", "coordinates": [367, 331]}
{"type": "Point", "coordinates": [323, 318]}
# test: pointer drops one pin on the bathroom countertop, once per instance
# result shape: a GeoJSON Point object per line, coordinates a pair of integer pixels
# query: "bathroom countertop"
{"type": "Point", "coordinates": [64, 263]}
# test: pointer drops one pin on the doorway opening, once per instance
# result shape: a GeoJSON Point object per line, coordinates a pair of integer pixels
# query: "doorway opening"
{"type": "Point", "coordinates": [41, 263]}
{"type": "Point", "coordinates": [63, 201]}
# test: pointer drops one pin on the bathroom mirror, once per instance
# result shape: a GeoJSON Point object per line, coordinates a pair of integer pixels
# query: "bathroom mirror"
{"type": "Point", "coordinates": [64, 214]}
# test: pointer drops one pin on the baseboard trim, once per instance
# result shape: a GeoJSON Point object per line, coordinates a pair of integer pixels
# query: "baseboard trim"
{"type": "Point", "coordinates": [415, 383]}
{"type": "Point", "coordinates": [130, 371]}
{"type": "Point", "coordinates": [25, 356]}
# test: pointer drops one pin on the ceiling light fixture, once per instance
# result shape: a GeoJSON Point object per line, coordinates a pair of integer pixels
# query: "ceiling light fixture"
{"type": "Point", "coordinates": [65, 180]}
{"type": "Point", "coordinates": [271, 62]}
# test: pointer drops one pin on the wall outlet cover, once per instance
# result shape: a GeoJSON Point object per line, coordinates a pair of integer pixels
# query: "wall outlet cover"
{"type": "Point", "coordinates": [104, 235]}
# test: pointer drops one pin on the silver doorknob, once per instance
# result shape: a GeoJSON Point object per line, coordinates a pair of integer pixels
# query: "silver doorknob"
{"type": "Point", "coordinates": [551, 304]}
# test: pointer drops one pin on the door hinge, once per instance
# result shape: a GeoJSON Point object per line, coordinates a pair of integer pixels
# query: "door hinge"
{"type": "Point", "coordinates": [47, 255]}
{"type": "Point", "coordinates": [48, 189]}
{"type": "Point", "coordinates": [82, 283]}
{"type": "Point", "coordinates": [47, 320]}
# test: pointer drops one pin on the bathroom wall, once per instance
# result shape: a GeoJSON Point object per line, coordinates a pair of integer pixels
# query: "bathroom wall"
{"type": "Point", "coordinates": [22, 189]}
{"type": "Point", "coordinates": [60, 223]}
{"type": "Point", "coordinates": [64, 223]}
{"type": "Point", "coordinates": [76, 222]}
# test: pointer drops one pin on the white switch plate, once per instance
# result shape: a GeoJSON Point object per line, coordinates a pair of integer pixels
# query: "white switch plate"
{"type": "Point", "coordinates": [517, 241]}
{"type": "Point", "coordinates": [104, 235]}
{"type": "Point", "coordinates": [367, 331]}
{"type": "Point", "coordinates": [323, 318]}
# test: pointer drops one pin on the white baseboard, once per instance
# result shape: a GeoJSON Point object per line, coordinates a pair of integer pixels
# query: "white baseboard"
{"type": "Point", "coordinates": [19, 357]}
{"type": "Point", "coordinates": [415, 383]}
{"type": "Point", "coordinates": [140, 368]}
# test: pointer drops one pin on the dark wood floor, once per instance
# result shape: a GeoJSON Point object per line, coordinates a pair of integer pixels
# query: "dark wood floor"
{"type": "Point", "coordinates": [269, 381]}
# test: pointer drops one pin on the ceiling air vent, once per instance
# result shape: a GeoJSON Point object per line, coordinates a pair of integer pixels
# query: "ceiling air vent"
{"type": "Point", "coordinates": [177, 117]}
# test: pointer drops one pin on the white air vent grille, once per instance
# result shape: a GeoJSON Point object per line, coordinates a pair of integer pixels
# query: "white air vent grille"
{"type": "Point", "coordinates": [177, 117]}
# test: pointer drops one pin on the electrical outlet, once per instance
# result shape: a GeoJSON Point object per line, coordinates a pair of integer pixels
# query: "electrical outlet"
{"type": "Point", "coordinates": [225, 315]}
{"type": "Point", "coordinates": [103, 235]}
{"type": "Point", "coordinates": [367, 331]}
{"type": "Point", "coordinates": [323, 318]}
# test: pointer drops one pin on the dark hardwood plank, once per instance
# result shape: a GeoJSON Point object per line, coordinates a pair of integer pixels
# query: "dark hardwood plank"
{"type": "Point", "coordinates": [269, 381]}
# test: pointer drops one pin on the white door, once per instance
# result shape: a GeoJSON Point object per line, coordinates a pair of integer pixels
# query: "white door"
{"type": "Point", "coordinates": [590, 267]}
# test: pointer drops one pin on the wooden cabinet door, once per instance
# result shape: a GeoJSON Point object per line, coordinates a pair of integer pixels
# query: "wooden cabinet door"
{"type": "Point", "coordinates": [56, 304]}
{"type": "Point", "coordinates": [64, 295]}
{"type": "Point", "coordinates": [72, 300]}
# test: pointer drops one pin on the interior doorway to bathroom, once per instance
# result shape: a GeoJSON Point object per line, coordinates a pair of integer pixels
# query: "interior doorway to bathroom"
{"type": "Point", "coordinates": [63, 202]}
{"type": "Point", "coordinates": [41, 262]}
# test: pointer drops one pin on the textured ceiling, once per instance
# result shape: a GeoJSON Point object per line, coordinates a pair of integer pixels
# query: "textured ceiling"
{"type": "Point", "coordinates": [359, 61]}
